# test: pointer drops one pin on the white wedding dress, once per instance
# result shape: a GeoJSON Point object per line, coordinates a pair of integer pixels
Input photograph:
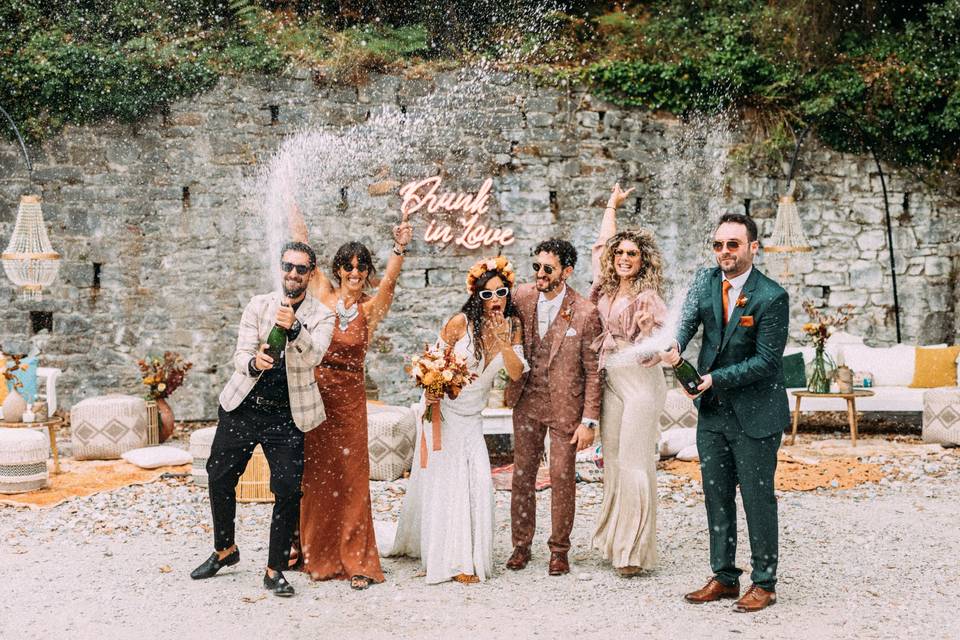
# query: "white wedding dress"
{"type": "Point", "coordinates": [447, 515]}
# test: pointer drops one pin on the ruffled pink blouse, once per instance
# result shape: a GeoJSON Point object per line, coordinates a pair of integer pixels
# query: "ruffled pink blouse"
{"type": "Point", "coordinates": [621, 318]}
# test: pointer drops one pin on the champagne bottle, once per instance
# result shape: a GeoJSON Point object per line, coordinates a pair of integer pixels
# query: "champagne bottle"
{"type": "Point", "coordinates": [688, 377]}
{"type": "Point", "coordinates": [277, 341]}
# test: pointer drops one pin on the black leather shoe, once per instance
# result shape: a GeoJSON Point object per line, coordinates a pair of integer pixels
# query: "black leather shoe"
{"type": "Point", "coordinates": [278, 585]}
{"type": "Point", "coordinates": [213, 564]}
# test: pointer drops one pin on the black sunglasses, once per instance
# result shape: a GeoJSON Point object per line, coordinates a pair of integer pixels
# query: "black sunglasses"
{"type": "Point", "coordinates": [546, 268]}
{"type": "Point", "coordinates": [732, 245]}
{"type": "Point", "coordinates": [487, 294]}
{"type": "Point", "coordinates": [302, 269]}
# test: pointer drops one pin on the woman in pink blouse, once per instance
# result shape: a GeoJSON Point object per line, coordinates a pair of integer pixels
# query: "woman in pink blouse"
{"type": "Point", "coordinates": [627, 289]}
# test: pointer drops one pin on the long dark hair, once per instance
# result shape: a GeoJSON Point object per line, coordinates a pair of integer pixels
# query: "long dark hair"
{"type": "Point", "coordinates": [345, 255]}
{"type": "Point", "coordinates": [473, 309]}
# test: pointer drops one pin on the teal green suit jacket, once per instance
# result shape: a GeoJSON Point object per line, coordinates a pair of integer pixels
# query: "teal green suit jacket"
{"type": "Point", "coordinates": [746, 358]}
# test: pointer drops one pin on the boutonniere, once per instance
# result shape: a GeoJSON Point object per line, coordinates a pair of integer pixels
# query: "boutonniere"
{"type": "Point", "coordinates": [566, 314]}
{"type": "Point", "coordinates": [742, 301]}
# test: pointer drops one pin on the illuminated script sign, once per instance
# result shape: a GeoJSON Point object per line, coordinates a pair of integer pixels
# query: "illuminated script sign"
{"type": "Point", "coordinates": [472, 233]}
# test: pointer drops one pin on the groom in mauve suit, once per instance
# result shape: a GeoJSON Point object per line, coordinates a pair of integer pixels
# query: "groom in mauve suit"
{"type": "Point", "coordinates": [743, 408]}
{"type": "Point", "coordinates": [559, 396]}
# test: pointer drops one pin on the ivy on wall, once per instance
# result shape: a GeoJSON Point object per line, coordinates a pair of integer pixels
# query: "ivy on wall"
{"type": "Point", "coordinates": [878, 75]}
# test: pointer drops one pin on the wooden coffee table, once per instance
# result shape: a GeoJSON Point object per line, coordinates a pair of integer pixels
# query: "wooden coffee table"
{"type": "Point", "coordinates": [851, 399]}
{"type": "Point", "coordinates": [51, 424]}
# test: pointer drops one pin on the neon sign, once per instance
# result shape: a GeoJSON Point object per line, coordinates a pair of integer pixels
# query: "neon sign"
{"type": "Point", "coordinates": [472, 234]}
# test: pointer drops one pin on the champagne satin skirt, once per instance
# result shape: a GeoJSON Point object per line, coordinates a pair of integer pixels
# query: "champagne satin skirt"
{"type": "Point", "coordinates": [633, 398]}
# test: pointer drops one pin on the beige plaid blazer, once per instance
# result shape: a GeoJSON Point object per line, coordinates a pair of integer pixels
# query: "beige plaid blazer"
{"type": "Point", "coordinates": [303, 354]}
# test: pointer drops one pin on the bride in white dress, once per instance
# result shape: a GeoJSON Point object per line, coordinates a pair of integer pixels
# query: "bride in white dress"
{"type": "Point", "coordinates": [447, 516]}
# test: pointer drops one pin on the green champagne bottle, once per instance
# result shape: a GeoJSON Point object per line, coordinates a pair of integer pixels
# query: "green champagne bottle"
{"type": "Point", "coordinates": [688, 377]}
{"type": "Point", "coordinates": [277, 341]}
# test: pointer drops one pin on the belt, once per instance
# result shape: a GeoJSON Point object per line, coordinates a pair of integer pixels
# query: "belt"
{"type": "Point", "coordinates": [268, 403]}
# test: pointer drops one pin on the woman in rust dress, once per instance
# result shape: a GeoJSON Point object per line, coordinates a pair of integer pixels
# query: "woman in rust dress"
{"type": "Point", "coordinates": [337, 539]}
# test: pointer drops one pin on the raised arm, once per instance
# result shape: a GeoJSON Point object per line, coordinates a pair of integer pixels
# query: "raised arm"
{"type": "Point", "coordinates": [608, 227]}
{"type": "Point", "coordinates": [377, 307]}
{"type": "Point", "coordinates": [320, 285]}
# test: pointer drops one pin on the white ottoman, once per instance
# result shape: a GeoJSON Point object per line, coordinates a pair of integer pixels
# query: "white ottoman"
{"type": "Point", "coordinates": [200, 443]}
{"type": "Point", "coordinates": [105, 427]}
{"type": "Point", "coordinates": [678, 411]}
{"type": "Point", "coordinates": [23, 460]}
{"type": "Point", "coordinates": [390, 435]}
{"type": "Point", "coordinates": [941, 415]}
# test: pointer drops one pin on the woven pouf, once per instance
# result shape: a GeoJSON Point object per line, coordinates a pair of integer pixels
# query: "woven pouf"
{"type": "Point", "coordinates": [23, 460]}
{"type": "Point", "coordinates": [254, 485]}
{"type": "Point", "coordinates": [390, 435]}
{"type": "Point", "coordinates": [941, 416]}
{"type": "Point", "coordinates": [678, 411]}
{"type": "Point", "coordinates": [200, 442]}
{"type": "Point", "coordinates": [105, 427]}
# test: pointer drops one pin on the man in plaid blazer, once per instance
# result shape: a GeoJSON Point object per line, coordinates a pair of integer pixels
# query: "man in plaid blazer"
{"type": "Point", "coordinates": [271, 404]}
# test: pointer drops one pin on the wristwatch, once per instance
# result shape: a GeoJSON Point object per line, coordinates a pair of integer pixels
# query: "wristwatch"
{"type": "Point", "coordinates": [294, 330]}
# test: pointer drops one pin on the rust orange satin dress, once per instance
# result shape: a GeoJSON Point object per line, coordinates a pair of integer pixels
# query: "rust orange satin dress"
{"type": "Point", "coordinates": [336, 523]}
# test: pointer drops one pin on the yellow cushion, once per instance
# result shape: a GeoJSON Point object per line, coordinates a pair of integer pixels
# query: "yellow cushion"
{"type": "Point", "coordinates": [935, 368]}
{"type": "Point", "coordinates": [3, 381]}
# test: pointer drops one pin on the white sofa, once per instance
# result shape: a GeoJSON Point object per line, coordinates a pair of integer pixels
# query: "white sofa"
{"type": "Point", "coordinates": [892, 369]}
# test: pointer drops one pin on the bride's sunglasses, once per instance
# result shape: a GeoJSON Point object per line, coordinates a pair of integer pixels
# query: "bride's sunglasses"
{"type": "Point", "coordinates": [487, 294]}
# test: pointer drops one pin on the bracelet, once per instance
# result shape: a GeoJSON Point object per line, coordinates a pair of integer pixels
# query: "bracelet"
{"type": "Point", "coordinates": [401, 252]}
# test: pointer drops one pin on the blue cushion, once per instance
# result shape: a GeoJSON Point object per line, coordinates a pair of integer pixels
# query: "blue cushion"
{"type": "Point", "coordinates": [27, 378]}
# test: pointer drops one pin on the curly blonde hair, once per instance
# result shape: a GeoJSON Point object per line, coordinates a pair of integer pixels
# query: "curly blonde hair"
{"type": "Point", "coordinates": [650, 275]}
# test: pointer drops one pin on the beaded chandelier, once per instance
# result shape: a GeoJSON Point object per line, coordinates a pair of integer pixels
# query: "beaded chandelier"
{"type": "Point", "coordinates": [29, 259]}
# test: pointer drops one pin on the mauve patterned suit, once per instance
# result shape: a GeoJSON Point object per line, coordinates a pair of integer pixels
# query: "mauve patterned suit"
{"type": "Point", "coordinates": [561, 388]}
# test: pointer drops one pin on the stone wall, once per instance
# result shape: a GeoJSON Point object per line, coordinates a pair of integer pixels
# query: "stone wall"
{"type": "Point", "coordinates": [160, 250]}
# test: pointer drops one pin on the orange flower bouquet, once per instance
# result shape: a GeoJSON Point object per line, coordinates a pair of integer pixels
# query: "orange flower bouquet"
{"type": "Point", "coordinates": [441, 372]}
{"type": "Point", "coordinates": [162, 375]}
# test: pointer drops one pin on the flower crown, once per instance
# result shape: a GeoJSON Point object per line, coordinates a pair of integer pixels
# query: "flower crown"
{"type": "Point", "coordinates": [499, 264]}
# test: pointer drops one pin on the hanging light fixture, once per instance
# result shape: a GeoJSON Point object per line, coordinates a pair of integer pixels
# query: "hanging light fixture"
{"type": "Point", "coordinates": [29, 259]}
{"type": "Point", "coordinates": [788, 236]}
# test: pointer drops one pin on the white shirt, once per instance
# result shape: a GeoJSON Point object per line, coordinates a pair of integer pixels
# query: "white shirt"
{"type": "Point", "coordinates": [733, 294]}
{"type": "Point", "coordinates": [547, 310]}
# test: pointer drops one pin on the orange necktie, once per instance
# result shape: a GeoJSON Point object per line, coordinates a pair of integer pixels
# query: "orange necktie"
{"type": "Point", "coordinates": [726, 303]}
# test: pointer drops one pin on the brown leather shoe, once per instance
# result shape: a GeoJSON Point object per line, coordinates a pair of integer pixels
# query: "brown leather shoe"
{"type": "Point", "coordinates": [755, 599]}
{"type": "Point", "coordinates": [519, 558]}
{"type": "Point", "coordinates": [559, 564]}
{"type": "Point", "coordinates": [712, 591]}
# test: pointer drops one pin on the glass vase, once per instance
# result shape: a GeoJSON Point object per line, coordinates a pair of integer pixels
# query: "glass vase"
{"type": "Point", "coordinates": [819, 381]}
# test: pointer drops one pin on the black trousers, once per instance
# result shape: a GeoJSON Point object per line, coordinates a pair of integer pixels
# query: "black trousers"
{"type": "Point", "coordinates": [238, 433]}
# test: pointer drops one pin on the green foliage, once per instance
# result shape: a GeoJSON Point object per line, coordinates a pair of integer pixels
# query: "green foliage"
{"type": "Point", "coordinates": [887, 80]}
{"type": "Point", "coordinates": [879, 75]}
{"type": "Point", "coordinates": [83, 61]}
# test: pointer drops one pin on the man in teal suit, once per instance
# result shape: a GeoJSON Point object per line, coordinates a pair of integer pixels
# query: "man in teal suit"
{"type": "Point", "coordinates": [742, 408]}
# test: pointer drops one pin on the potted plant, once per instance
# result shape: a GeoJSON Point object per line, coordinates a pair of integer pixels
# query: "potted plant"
{"type": "Point", "coordinates": [819, 329]}
{"type": "Point", "coordinates": [162, 375]}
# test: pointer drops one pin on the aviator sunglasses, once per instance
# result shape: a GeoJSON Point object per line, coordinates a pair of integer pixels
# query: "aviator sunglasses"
{"type": "Point", "coordinates": [487, 294]}
{"type": "Point", "coordinates": [732, 245]}
{"type": "Point", "coordinates": [302, 269]}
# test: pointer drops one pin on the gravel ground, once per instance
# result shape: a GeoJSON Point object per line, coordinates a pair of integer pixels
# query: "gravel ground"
{"type": "Point", "coordinates": [876, 561]}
